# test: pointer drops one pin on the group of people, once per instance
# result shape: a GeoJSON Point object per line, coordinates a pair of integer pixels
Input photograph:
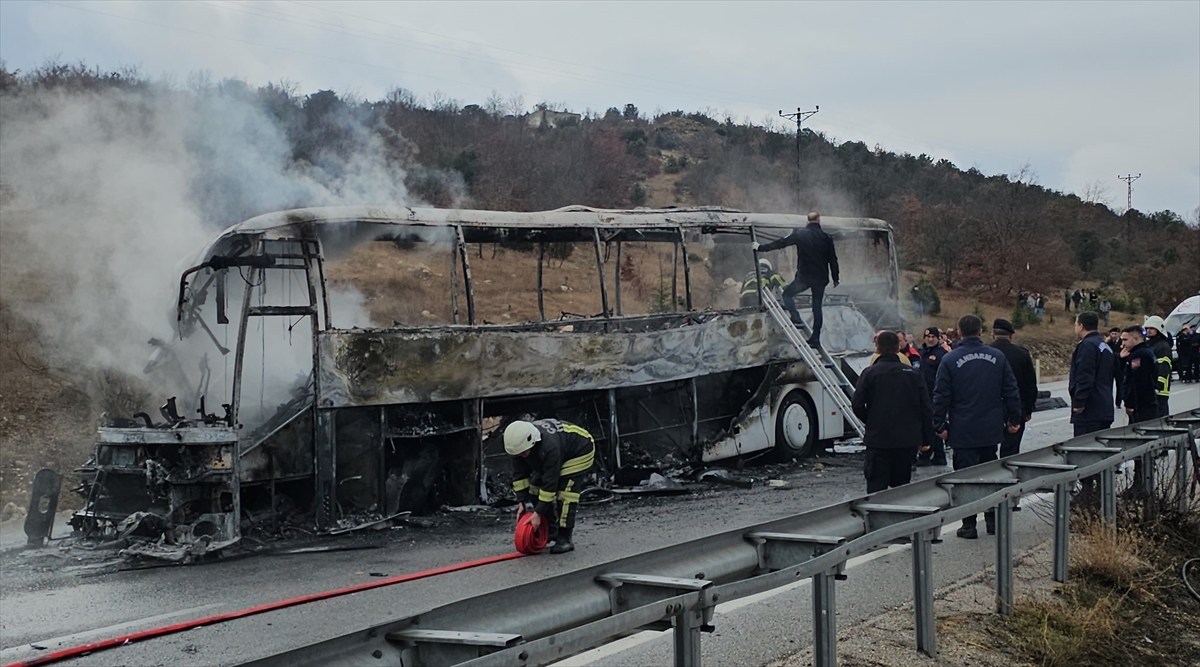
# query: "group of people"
{"type": "Point", "coordinates": [976, 397]}
{"type": "Point", "coordinates": [971, 397]}
{"type": "Point", "coordinates": [1187, 347]}
{"type": "Point", "coordinates": [1088, 299]}
{"type": "Point", "coordinates": [1034, 301]}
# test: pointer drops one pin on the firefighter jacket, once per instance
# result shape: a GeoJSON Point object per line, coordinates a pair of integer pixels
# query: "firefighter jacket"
{"type": "Point", "coordinates": [974, 395]}
{"type": "Point", "coordinates": [816, 258]}
{"type": "Point", "coordinates": [891, 399]}
{"type": "Point", "coordinates": [1091, 377]}
{"type": "Point", "coordinates": [931, 358]}
{"type": "Point", "coordinates": [1022, 368]}
{"type": "Point", "coordinates": [565, 450]}
{"type": "Point", "coordinates": [1161, 346]}
{"type": "Point", "coordinates": [1140, 383]}
{"type": "Point", "coordinates": [769, 279]}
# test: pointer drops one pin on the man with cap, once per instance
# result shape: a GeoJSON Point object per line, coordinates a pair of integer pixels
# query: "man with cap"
{"type": "Point", "coordinates": [550, 458]}
{"type": "Point", "coordinates": [932, 351]}
{"type": "Point", "coordinates": [766, 276]}
{"type": "Point", "coordinates": [1139, 384]}
{"type": "Point", "coordinates": [1158, 341]}
{"type": "Point", "coordinates": [816, 262]}
{"type": "Point", "coordinates": [1022, 367]}
{"type": "Point", "coordinates": [1091, 380]}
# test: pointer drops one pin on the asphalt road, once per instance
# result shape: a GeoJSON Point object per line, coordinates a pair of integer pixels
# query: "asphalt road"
{"type": "Point", "coordinates": [52, 600]}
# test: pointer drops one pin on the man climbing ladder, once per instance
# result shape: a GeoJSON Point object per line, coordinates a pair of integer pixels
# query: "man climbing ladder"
{"type": "Point", "coordinates": [816, 262]}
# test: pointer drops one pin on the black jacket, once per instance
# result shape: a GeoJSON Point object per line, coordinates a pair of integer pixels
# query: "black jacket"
{"type": "Point", "coordinates": [816, 258]}
{"type": "Point", "coordinates": [1140, 383]}
{"type": "Point", "coordinates": [931, 358]}
{"type": "Point", "coordinates": [1118, 370]}
{"type": "Point", "coordinates": [892, 401]}
{"type": "Point", "coordinates": [1161, 345]}
{"type": "Point", "coordinates": [1022, 367]}
{"type": "Point", "coordinates": [975, 394]}
{"type": "Point", "coordinates": [1091, 380]}
{"type": "Point", "coordinates": [564, 450]}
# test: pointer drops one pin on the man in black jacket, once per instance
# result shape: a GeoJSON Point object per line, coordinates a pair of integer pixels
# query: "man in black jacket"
{"type": "Point", "coordinates": [1091, 378]}
{"type": "Point", "coordinates": [891, 400]}
{"type": "Point", "coordinates": [1114, 341]}
{"type": "Point", "coordinates": [816, 261]}
{"type": "Point", "coordinates": [1139, 386]}
{"type": "Point", "coordinates": [549, 459]}
{"type": "Point", "coordinates": [1022, 367]}
{"type": "Point", "coordinates": [931, 357]}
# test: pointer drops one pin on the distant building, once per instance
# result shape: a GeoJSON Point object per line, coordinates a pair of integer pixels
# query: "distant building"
{"type": "Point", "coordinates": [548, 118]}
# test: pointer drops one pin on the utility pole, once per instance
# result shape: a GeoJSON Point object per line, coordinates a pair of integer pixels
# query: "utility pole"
{"type": "Point", "coordinates": [1128, 188]}
{"type": "Point", "coordinates": [798, 118]}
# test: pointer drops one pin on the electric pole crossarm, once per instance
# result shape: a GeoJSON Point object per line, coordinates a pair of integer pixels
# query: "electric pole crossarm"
{"type": "Point", "coordinates": [799, 117]}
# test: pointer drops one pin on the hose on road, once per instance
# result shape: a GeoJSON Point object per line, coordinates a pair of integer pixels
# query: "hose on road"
{"type": "Point", "coordinates": [94, 647]}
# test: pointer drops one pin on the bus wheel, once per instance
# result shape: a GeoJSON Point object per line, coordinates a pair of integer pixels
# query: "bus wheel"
{"type": "Point", "coordinates": [795, 426]}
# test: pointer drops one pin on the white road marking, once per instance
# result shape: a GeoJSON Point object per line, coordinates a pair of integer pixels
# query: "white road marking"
{"type": "Point", "coordinates": [14, 653]}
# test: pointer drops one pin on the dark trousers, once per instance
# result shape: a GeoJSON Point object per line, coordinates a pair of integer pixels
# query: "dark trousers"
{"type": "Point", "coordinates": [888, 468]}
{"type": "Point", "coordinates": [1090, 426]}
{"type": "Point", "coordinates": [1012, 442]}
{"type": "Point", "coordinates": [1164, 410]}
{"type": "Point", "coordinates": [965, 457]}
{"type": "Point", "coordinates": [818, 296]}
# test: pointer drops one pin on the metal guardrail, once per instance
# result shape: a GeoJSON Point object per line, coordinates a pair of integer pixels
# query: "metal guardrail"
{"type": "Point", "coordinates": [680, 586]}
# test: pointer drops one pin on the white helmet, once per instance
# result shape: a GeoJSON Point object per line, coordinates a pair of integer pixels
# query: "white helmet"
{"type": "Point", "coordinates": [1154, 322]}
{"type": "Point", "coordinates": [520, 436]}
{"type": "Point", "coordinates": [763, 261]}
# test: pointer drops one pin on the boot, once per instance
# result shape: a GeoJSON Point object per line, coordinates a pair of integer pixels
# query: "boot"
{"type": "Point", "coordinates": [989, 518]}
{"type": "Point", "coordinates": [563, 544]}
{"type": "Point", "coordinates": [968, 531]}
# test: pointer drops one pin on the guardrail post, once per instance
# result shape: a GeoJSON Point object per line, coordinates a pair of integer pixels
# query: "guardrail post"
{"type": "Point", "coordinates": [1181, 476]}
{"type": "Point", "coordinates": [1148, 471]}
{"type": "Point", "coordinates": [1062, 530]}
{"type": "Point", "coordinates": [687, 638]}
{"type": "Point", "coordinates": [1108, 495]}
{"type": "Point", "coordinates": [824, 620]}
{"type": "Point", "coordinates": [922, 549]}
{"type": "Point", "coordinates": [1004, 560]}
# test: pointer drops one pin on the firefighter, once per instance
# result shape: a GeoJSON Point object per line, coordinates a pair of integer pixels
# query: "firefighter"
{"type": "Point", "coordinates": [767, 276]}
{"type": "Point", "coordinates": [550, 458]}
{"type": "Point", "coordinates": [1158, 341]}
{"type": "Point", "coordinates": [1139, 377]}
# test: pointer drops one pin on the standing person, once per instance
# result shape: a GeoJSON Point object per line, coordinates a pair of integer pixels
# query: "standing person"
{"type": "Point", "coordinates": [816, 262]}
{"type": "Point", "coordinates": [1091, 379]}
{"type": "Point", "coordinates": [932, 352]}
{"type": "Point", "coordinates": [1161, 345]}
{"type": "Point", "coordinates": [891, 400]}
{"type": "Point", "coordinates": [1183, 347]}
{"type": "Point", "coordinates": [1139, 383]}
{"type": "Point", "coordinates": [1077, 299]}
{"type": "Point", "coordinates": [549, 460]}
{"type": "Point", "coordinates": [1194, 346]}
{"type": "Point", "coordinates": [1114, 342]}
{"type": "Point", "coordinates": [766, 275]}
{"type": "Point", "coordinates": [1092, 300]}
{"type": "Point", "coordinates": [1040, 306]}
{"type": "Point", "coordinates": [1022, 367]}
{"type": "Point", "coordinates": [1105, 309]}
{"type": "Point", "coordinates": [1067, 300]}
{"type": "Point", "coordinates": [975, 394]}
{"type": "Point", "coordinates": [907, 350]}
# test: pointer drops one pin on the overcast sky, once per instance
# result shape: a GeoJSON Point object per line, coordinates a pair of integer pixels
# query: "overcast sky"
{"type": "Point", "coordinates": [1082, 92]}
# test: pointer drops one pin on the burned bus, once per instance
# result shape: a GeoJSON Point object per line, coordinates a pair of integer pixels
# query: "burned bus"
{"type": "Point", "coordinates": [355, 361]}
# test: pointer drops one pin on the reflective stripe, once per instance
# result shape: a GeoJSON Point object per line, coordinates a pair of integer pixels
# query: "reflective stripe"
{"type": "Point", "coordinates": [520, 484]}
{"type": "Point", "coordinates": [578, 464]}
{"type": "Point", "coordinates": [577, 430]}
{"type": "Point", "coordinates": [568, 496]}
{"type": "Point", "coordinates": [545, 496]}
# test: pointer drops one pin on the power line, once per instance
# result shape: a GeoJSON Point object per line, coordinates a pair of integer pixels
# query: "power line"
{"type": "Point", "coordinates": [1128, 188]}
{"type": "Point", "coordinates": [799, 117]}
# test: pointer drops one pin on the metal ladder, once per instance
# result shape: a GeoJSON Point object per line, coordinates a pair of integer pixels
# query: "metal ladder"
{"type": "Point", "coordinates": [827, 369]}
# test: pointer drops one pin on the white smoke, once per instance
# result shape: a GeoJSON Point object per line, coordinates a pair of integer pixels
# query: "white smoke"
{"type": "Point", "coordinates": [105, 191]}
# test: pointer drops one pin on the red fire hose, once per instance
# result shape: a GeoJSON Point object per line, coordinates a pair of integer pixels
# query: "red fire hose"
{"type": "Point", "coordinates": [530, 540]}
{"type": "Point", "coordinates": [251, 611]}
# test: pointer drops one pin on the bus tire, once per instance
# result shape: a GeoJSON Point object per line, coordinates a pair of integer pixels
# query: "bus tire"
{"type": "Point", "coordinates": [795, 426]}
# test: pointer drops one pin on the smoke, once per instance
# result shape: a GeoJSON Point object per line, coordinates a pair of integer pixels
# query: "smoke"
{"type": "Point", "coordinates": [104, 191]}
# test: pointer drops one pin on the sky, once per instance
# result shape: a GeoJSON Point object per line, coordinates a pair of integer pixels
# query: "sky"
{"type": "Point", "coordinates": [1081, 92]}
